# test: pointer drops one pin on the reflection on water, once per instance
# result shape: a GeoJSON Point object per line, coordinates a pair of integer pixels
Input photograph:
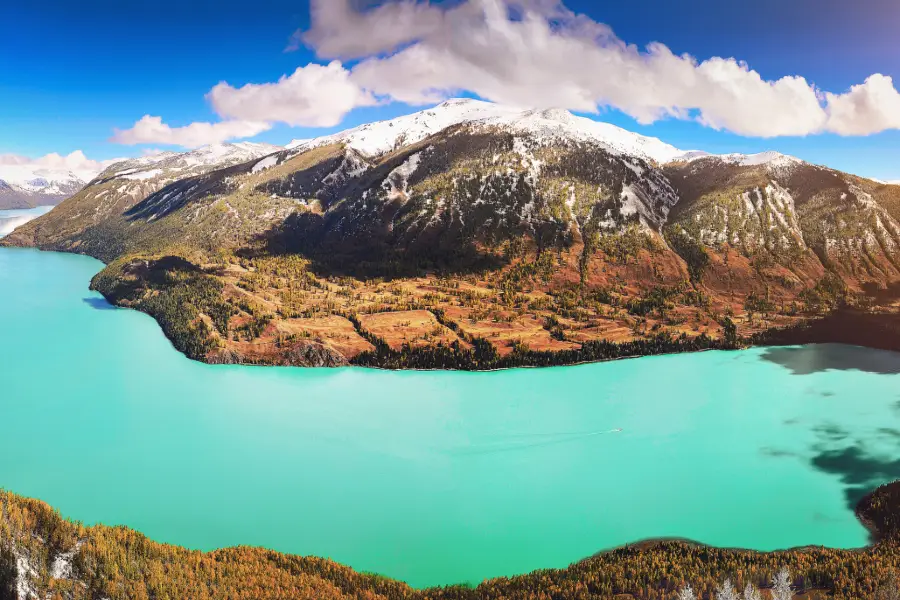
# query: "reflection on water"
{"type": "Point", "coordinates": [817, 358]}
{"type": "Point", "coordinates": [99, 303]}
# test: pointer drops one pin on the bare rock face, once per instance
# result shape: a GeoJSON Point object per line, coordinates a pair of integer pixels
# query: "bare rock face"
{"type": "Point", "coordinates": [225, 357]}
{"type": "Point", "coordinates": [313, 354]}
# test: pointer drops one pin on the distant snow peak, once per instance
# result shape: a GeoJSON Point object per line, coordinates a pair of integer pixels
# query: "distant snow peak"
{"type": "Point", "coordinates": [775, 162]}
{"type": "Point", "coordinates": [769, 157]}
{"type": "Point", "coordinates": [230, 151]}
{"type": "Point", "coordinates": [34, 178]}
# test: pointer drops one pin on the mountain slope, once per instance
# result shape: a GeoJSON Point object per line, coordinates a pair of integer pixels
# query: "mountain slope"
{"type": "Point", "coordinates": [475, 236]}
{"type": "Point", "coordinates": [122, 185]}
{"type": "Point", "coordinates": [793, 219]}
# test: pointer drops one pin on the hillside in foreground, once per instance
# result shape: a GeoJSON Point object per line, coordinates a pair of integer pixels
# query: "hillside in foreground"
{"type": "Point", "coordinates": [476, 236]}
{"type": "Point", "coordinates": [45, 556]}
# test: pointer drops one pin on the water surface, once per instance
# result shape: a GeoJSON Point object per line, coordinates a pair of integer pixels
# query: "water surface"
{"type": "Point", "coordinates": [12, 218]}
{"type": "Point", "coordinates": [433, 478]}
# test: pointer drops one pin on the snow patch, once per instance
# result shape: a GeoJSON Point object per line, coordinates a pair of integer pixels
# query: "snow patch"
{"type": "Point", "coordinates": [25, 574]}
{"type": "Point", "coordinates": [142, 175]}
{"type": "Point", "coordinates": [554, 124]}
{"type": "Point", "coordinates": [397, 182]}
{"type": "Point", "coordinates": [266, 163]}
{"type": "Point", "coordinates": [62, 563]}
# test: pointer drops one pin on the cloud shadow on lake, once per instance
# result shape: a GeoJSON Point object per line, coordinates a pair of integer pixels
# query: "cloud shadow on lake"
{"type": "Point", "coordinates": [99, 304]}
{"type": "Point", "coordinates": [827, 357]}
{"type": "Point", "coordinates": [859, 471]}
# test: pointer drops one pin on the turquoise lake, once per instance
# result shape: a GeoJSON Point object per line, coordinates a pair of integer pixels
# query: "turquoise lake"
{"type": "Point", "coordinates": [430, 477]}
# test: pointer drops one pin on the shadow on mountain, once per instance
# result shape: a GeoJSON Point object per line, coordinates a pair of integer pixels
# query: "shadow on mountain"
{"type": "Point", "coordinates": [372, 251]}
{"type": "Point", "coordinates": [99, 303]}
{"type": "Point", "coordinates": [184, 191]}
{"type": "Point", "coordinates": [882, 295]}
{"type": "Point", "coordinates": [833, 357]}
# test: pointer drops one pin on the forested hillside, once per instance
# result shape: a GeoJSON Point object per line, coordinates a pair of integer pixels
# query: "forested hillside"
{"type": "Point", "coordinates": [45, 556]}
{"type": "Point", "coordinates": [532, 238]}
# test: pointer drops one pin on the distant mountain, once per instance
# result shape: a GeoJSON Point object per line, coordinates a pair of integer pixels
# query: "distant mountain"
{"type": "Point", "coordinates": [125, 183]}
{"type": "Point", "coordinates": [474, 235]}
{"type": "Point", "coordinates": [27, 186]}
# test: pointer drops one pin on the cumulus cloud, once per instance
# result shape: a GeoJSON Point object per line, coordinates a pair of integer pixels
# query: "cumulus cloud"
{"type": "Point", "coordinates": [340, 31]}
{"type": "Point", "coordinates": [539, 53]}
{"type": "Point", "coordinates": [867, 108]}
{"type": "Point", "coordinates": [152, 130]}
{"type": "Point", "coordinates": [313, 96]}
{"type": "Point", "coordinates": [76, 162]}
{"type": "Point", "coordinates": [535, 53]}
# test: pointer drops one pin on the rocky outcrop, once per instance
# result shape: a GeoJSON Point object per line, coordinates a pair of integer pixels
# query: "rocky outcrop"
{"type": "Point", "coordinates": [313, 354]}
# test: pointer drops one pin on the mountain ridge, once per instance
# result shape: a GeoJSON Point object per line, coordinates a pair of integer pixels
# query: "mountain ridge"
{"type": "Point", "coordinates": [377, 138]}
{"type": "Point", "coordinates": [483, 236]}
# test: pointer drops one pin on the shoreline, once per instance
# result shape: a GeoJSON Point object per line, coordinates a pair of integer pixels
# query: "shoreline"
{"type": "Point", "coordinates": [853, 327]}
{"type": "Point", "coordinates": [773, 338]}
{"type": "Point", "coordinates": [877, 511]}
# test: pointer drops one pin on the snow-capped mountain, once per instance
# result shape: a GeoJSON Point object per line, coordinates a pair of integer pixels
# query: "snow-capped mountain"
{"type": "Point", "coordinates": [25, 186]}
{"type": "Point", "coordinates": [381, 137]}
{"type": "Point", "coordinates": [175, 165]}
{"type": "Point", "coordinates": [126, 182]}
{"type": "Point", "coordinates": [596, 219]}
{"type": "Point", "coordinates": [375, 139]}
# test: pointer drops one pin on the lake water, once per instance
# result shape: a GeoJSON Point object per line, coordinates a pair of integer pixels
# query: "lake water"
{"type": "Point", "coordinates": [432, 478]}
{"type": "Point", "coordinates": [10, 219]}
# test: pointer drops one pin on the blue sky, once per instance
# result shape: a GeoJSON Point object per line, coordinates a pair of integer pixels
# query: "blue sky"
{"type": "Point", "coordinates": [71, 73]}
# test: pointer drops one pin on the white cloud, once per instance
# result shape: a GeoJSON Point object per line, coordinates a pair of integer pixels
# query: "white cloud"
{"type": "Point", "coordinates": [152, 130]}
{"type": "Point", "coordinates": [538, 53]}
{"type": "Point", "coordinates": [313, 96]}
{"type": "Point", "coordinates": [532, 53]}
{"type": "Point", "coordinates": [340, 31]}
{"type": "Point", "coordinates": [867, 108]}
{"type": "Point", "coordinates": [76, 163]}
